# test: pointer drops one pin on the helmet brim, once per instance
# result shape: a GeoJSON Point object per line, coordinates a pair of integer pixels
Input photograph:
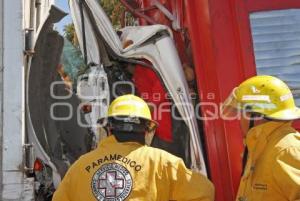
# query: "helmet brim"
{"type": "Point", "coordinates": [285, 115]}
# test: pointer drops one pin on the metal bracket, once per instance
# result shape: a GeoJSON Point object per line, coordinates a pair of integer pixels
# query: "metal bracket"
{"type": "Point", "coordinates": [28, 158]}
{"type": "Point", "coordinates": [29, 41]}
{"type": "Point", "coordinates": [168, 14]}
{"type": "Point", "coordinates": [164, 10]}
{"type": "Point", "coordinates": [139, 12]}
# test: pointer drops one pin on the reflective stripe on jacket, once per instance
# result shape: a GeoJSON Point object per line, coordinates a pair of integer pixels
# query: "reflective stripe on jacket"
{"type": "Point", "coordinates": [130, 171]}
{"type": "Point", "coordinates": [272, 171]}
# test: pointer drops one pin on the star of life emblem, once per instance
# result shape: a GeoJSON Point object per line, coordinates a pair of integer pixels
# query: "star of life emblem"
{"type": "Point", "coordinates": [111, 182]}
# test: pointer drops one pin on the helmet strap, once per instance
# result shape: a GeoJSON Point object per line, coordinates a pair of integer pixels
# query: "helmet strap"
{"type": "Point", "coordinates": [251, 122]}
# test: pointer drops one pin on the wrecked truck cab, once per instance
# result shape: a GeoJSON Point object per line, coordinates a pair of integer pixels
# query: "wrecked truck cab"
{"type": "Point", "coordinates": [101, 44]}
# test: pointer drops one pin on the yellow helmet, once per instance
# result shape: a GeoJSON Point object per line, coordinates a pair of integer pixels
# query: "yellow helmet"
{"type": "Point", "coordinates": [133, 107]}
{"type": "Point", "coordinates": [266, 95]}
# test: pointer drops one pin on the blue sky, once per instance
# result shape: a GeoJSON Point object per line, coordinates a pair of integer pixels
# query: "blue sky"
{"type": "Point", "coordinates": [63, 5]}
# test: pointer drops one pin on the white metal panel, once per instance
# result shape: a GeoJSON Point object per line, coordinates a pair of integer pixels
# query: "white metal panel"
{"type": "Point", "coordinates": [276, 38]}
{"type": "Point", "coordinates": [26, 13]}
{"type": "Point", "coordinates": [1, 84]}
{"type": "Point", "coordinates": [93, 54]}
{"type": "Point", "coordinates": [13, 85]}
{"type": "Point", "coordinates": [12, 100]}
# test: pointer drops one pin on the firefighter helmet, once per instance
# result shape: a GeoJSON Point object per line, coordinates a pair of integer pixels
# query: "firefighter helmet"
{"type": "Point", "coordinates": [266, 95]}
{"type": "Point", "coordinates": [131, 109]}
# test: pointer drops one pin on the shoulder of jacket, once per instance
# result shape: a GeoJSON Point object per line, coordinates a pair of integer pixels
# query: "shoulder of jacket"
{"type": "Point", "coordinates": [163, 155]}
{"type": "Point", "coordinates": [282, 139]}
{"type": "Point", "coordinates": [290, 139]}
{"type": "Point", "coordinates": [290, 151]}
{"type": "Point", "coordinates": [286, 153]}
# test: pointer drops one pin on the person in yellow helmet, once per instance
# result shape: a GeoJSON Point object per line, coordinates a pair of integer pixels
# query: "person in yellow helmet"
{"type": "Point", "coordinates": [123, 167]}
{"type": "Point", "coordinates": [272, 162]}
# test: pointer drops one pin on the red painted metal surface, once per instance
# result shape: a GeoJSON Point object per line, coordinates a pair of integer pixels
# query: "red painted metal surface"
{"type": "Point", "coordinates": [264, 5]}
{"type": "Point", "coordinates": [220, 34]}
{"type": "Point", "coordinates": [219, 59]}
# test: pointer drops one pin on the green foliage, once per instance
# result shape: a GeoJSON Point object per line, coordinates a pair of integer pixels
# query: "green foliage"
{"type": "Point", "coordinates": [114, 10]}
{"type": "Point", "coordinates": [70, 34]}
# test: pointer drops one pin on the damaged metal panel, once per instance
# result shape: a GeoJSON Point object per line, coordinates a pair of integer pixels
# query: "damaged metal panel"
{"type": "Point", "coordinates": [56, 141]}
{"type": "Point", "coordinates": [276, 38]}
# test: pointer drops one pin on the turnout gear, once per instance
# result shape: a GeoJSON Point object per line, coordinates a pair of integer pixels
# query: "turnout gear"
{"type": "Point", "coordinates": [131, 171]}
{"type": "Point", "coordinates": [273, 166]}
{"type": "Point", "coordinates": [266, 95]}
